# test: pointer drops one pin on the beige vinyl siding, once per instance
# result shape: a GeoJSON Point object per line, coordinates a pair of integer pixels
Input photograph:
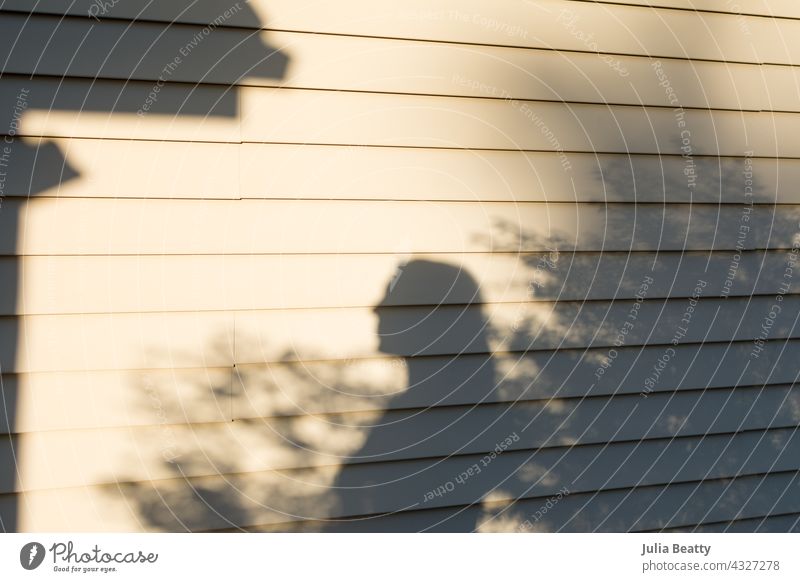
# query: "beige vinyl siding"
{"type": "Point", "coordinates": [111, 341]}
{"type": "Point", "coordinates": [648, 505]}
{"type": "Point", "coordinates": [786, 522]}
{"type": "Point", "coordinates": [640, 510]}
{"type": "Point", "coordinates": [313, 378]}
{"type": "Point", "coordinates": [618, 28]}
{"type": "Point", "coordinates": [199, 283]}
{"type": "Point", "coordinates": [388, 65]}
{"type": "Point", "coordinates": [413, 435]}
{"type": "Point", "coordinates": [303, 116]}
{"type": "Point", "coordinates": [771, 451]}
{"type": "Point", "coordinates": [168, 283]}
{"type": "Point", "coordinates": [779, 8]}
{"type": "Point", "coordinates": [197, 170]}
{"type": "Point", "coordinates": [203, 13]}
{"type": "Point", "coordinates": [154, 227]}
{"type": "Point", "coordinates": [309, 390]}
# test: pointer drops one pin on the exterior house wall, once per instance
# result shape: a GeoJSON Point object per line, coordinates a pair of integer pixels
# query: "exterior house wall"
{"type": "Point", "coordinates": [293, 265]}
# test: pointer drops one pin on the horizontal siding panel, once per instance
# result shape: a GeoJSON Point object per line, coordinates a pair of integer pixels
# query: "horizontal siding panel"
{"type": "Point", "coordinates": [74, 168]}
{"type": "Point", "coordinates": [201, 339]}
{"type": "Point", "coordinates": [648, 508]}
{"type": "Point", "coordinates": [269, 170]}
{"type": "Point", "coordinates": [276, 497]}
{"type": "Point", "coordinates": [81, 48]}
{"type": "Point", "coordinates": [139, 454]}
{"type": "Point", "coordinates": [115, 398]}
{"type": "Point", "coordinates": [70, 108]}
{"type": "Point", "coordinates": [286, 335]}
{"type": "Point", "coordinates": [127, 284]}
{"type": "Point", "coordinates": [642, 509]}
{"type": "Point", "coordinates": [208, 12]}
{"type": "Point", "coordinates": [384, 65]}
{"type": "Point", "coordinates": [617, 29]}
{"type": "Point", "coordinates": [581, 469]}
{"type": "Point", "coordinates": [232, 12]}
{"type": "Point", "coordinates": [324, 117]}
{"type": "Point", "coordinates": [267, 390]}
{"type": "Point", "coordinates": [118, 168]}
{"type": "Point", "coordinates": [144, 227]}
{"type": "Point", "coordinates": [110, 342]}
{"type": "Point", "coordinates": [108, 109]}
{"type": "Point", "coordinates": [789, 523]}
{"type": "Point", "coordinates": [175, 396]}
{"type": "Point", "coordinates": [780, 8]}
{"type": "Point", "coordinates": [554, 23]}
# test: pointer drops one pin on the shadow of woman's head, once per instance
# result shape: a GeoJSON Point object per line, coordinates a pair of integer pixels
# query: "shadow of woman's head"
{"type": "Point", "coordinates": [431, 308]}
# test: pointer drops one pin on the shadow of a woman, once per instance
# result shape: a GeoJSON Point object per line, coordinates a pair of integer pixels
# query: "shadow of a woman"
{"type": "Point", "coordinates": [431, 317]}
